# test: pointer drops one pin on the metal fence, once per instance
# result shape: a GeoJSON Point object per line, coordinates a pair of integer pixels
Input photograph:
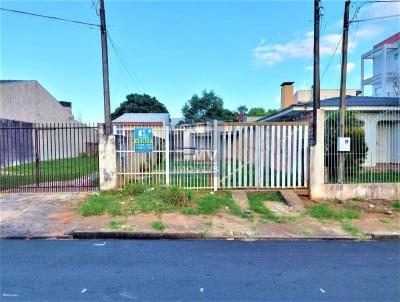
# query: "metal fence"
{"type": "Point", "coordinates": [212, 156]}
{"type": "Point", "coordinates": [182, 156]}
{"type": "Point", "coordinates": [48, 157]}
{"type": "Point", "coordinates": [374, 155]}
{"type": "Point", "coordinates": [264, 155]}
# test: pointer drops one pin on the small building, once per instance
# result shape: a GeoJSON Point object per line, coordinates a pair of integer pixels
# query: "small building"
{"type": "Point", "coordinates": [29, 101]}
{"type": "Point", "coordinates": [384, 80]}
{"type": "Point", "coordinates": [380, 116]}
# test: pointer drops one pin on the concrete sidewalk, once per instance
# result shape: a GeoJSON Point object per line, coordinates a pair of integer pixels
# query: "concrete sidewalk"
{"type": "Point", "coordinates": [53, 215]}
{"type": "Point", "coordinates": [37, 215]}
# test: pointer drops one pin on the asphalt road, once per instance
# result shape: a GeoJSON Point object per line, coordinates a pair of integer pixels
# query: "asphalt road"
{"type": "Point", "coordinates": [114, 270]}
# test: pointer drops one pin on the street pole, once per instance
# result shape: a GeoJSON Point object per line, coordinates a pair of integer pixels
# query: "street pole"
{"type": "Point", "coordinates": [104, 54]}
{"type": "Point", "coordinates": [342, 108]}
{"type": "Point", "coordinates": [316, 79]}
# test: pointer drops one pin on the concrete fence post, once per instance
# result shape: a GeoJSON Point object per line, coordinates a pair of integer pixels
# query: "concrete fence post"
{"type": "Point", "coordinates": [107, 160]}
{"type": "Point", "coordinates": [316, 163]}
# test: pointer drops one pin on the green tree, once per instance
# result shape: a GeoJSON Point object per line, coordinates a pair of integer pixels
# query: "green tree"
{"type": "Point", "coordinates": [139, 103]}
{"type": "Point", "coordinates": [206, 107]}
{"type": "Point", "coordinates": [354, 128]}
{"type": "Point", "coordinates": [259, 111]}
{"type": "Point", "coordinates": [242, 109]}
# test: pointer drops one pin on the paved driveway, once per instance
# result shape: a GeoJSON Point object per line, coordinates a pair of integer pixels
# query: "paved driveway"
{"type": "Point", "coordinates": [36, 215]}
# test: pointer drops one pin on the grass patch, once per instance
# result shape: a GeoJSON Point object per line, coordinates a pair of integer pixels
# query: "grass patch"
{"type": "Point", "coordinates": [158, 226]}
{"type": "Point", "coordinates": [49, 170]}
{"type": "Point", "coordinates": [98, 205]}
{"type": "Point", "coordinates": [208, 234]}
{"type": "Point", "coordinates": [209, 204]}
{"type": "Point", "coordinates": [115, 224]}
{"type": "Point", "coordinates": [396, 205]}
{"type": "Point", "coordinates": [386, 219]}
{"type": "Point", "coordinates": [352, 230]}
{"type": "Point", "coordinates": [306, 232]}
{"type": "Point", "coordinates": [208, 223]}
{"type": "Point", "coordinates": [323, 211]}
{"type": "Point", "coordinates": [256, 201]}
{"type": "Point", "coordinates": [265, 196]}
{"type": "Point", "coordinates": [357, 199]}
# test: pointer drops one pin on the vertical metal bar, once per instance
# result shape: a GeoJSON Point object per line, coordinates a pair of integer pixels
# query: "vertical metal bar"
{"type": "Point", "coordinates": [262, 156]}
{"type": "Point", "coordinates": [216, 154]}
{"type": "Point", "coordinates": [229, 157]}
{"type": "Point", "coordinates": [283, 166]}
{"type": "Point", "coordinates": [234, 148]}
{"type": "Point", "coordinates": [246, 144]}
{"type": "Point", "coordinates": [278, 156]}
{"type": "Point", "coordinates": [224, 147]}
{"type": "Point", "coordinates": [289, 156]}
{"type": "Point", "coordinates": [305, 158]}
{"type": "Point", "coordinates": [272, 156]}
{"type": "Point", "coordinates": [251, 156]}
{"type": "Point", "coordinates": [295, 129]}
{"type": "Point", "coordinates": [267, 156]}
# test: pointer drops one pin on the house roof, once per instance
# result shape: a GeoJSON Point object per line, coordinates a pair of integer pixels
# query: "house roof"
{"type": "Point", "coordinates": [3, 82]}
{"type": "Point", "coordinates": [138, 118]}
{"type": "Point", "coordinates": [353, 102]}
{"type": "Point", "coordinates": [356, 101]}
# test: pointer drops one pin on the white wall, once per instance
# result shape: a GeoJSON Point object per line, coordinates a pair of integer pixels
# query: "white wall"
{"type": "Point", "coordinates": [28, 101]}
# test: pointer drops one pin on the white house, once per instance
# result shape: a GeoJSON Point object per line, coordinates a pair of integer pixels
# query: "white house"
{"type": "Point", "coordinates": [384, 79]}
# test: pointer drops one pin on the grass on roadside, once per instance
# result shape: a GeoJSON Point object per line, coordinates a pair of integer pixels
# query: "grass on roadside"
{"type": "Point", "coordinates": [323, 211]}
{"type": "Point", "coordinates": [396, 205]}
{"type": "Point", "coordinates": [209, 204]}
{"type": "Point", "coordinates": [158, 226]}
{"type": "Point", "coordinates": [256, 201]}
{"type": "Point", "coordinates": [136, 198]}
{"type": "Point", "coordinates": [352, 230]}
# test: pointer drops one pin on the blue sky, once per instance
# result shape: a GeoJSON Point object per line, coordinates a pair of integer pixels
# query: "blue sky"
{"type": "Point", "coordinates": [241, 50]}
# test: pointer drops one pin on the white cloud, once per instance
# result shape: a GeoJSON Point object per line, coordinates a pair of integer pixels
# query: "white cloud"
{"type": "Point", "coordinates": [309, 67]}
{"type": "Point", "coordinates": [375, 10]}
{"type": "Point", "coordinates": [267, 54]}
{"type": "Point", "coordinates": [350, 67]}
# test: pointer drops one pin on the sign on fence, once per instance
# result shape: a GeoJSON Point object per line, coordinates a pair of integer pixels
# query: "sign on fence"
{"type": "Point", "coordinates": [143, 140]}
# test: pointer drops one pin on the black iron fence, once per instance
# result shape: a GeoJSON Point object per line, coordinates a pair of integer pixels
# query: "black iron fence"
{"type": "Point", "coordinates": [48, 157]}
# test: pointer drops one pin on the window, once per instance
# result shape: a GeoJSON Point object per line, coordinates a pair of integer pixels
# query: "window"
{"type": "Point", "coordinates": [396, 55]}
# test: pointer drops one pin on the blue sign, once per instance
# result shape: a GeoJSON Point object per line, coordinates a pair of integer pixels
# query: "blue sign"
{"type": "Point", "coordinates": [143, 140]}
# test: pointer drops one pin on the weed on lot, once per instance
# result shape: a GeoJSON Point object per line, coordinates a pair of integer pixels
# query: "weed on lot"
{"type": "Point", "coordinates": [396, 205]}
{"type": "Point", "coordinates": [256, 201]}
{"type": "Point", "coordinates": [100, 204]}
{"type": "Point", "coordinates": [352, 230]}
{"type": "Point", "coordinates": [158, 226]}
{"type": "Point", "coordinates": [115, 224]}
{"type": "Point", "coordinates": [209, 204]}
{"type": "Point", "coordinates": [323, 211]}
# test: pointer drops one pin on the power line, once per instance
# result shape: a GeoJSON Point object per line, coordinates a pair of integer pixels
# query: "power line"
{"type": "Point", "coordinates": [135, 80]}
{"type": "Point", "coordinates": [331, 58]}
{"type": "Point", "coordinates": [377, 18]}
{"type": "Point", "coordinates": [48, 17]}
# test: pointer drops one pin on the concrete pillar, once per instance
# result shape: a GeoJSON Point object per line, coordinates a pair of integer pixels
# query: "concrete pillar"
{"type": "Point", "coordinates": [107, 160]}
{"type": "Point", "coordinates": [317, 166]}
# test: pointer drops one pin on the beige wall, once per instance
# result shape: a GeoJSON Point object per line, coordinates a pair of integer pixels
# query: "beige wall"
{"type": "Point", "coordinates": [306, 95]}
{"type": "Point", "coordinates": [28, 101]}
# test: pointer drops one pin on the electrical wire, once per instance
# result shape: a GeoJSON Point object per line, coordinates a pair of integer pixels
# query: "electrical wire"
{"type": "Point", "coordinates": [377, 18]}
{"type": "Point", "coordinates": [48, 17]}
{"type": "Point", "coordinates": [132, 75]}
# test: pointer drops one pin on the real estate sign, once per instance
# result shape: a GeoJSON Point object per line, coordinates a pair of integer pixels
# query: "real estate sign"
{"type": "Point", "coordinates": [143, 140]}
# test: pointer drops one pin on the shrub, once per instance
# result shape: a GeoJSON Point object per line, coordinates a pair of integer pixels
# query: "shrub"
{"type": "Point", "coordinates": [396, 205]}
{"type": "Point", "coordinates": [176, 197]}
{"type": "Point", "coordinates": [134, 188]}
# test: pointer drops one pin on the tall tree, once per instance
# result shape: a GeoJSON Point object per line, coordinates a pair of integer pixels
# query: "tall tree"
{"type": "Point", "coordinates": [206, 107]}
{"type": "Point", "coordinates": [139, 103]}
{"type": "Point", "coordinates": [259, 111]}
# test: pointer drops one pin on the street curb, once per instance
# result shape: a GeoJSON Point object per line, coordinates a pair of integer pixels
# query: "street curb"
{"type": "Point", "coordinates": [85, 234]}
{"type": "Point", "coordinates": [61, 237]}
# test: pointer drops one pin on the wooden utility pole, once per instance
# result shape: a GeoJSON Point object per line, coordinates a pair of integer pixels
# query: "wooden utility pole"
{"type": "Point", "coordinates": [316, 82]}
{"type": "Point", "coordinates": [343, 74]}
{"type": "Point", "coordinates": [104, 54]}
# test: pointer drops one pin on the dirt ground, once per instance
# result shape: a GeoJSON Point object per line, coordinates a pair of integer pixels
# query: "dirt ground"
{"type": "Point", "coordinates": [53, 215]}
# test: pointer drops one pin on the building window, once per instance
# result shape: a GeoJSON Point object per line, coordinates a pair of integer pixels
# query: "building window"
{"type": "Point", "coordinates": [396, 55]}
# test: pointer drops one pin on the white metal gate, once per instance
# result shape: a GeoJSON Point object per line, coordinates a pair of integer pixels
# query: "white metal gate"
{"type": "Point", "coordinates": [264, 155]}
{"type": "Point", "coordinates": [182, 156]}
{"type": "Point", "coordinates": [212, 156]}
